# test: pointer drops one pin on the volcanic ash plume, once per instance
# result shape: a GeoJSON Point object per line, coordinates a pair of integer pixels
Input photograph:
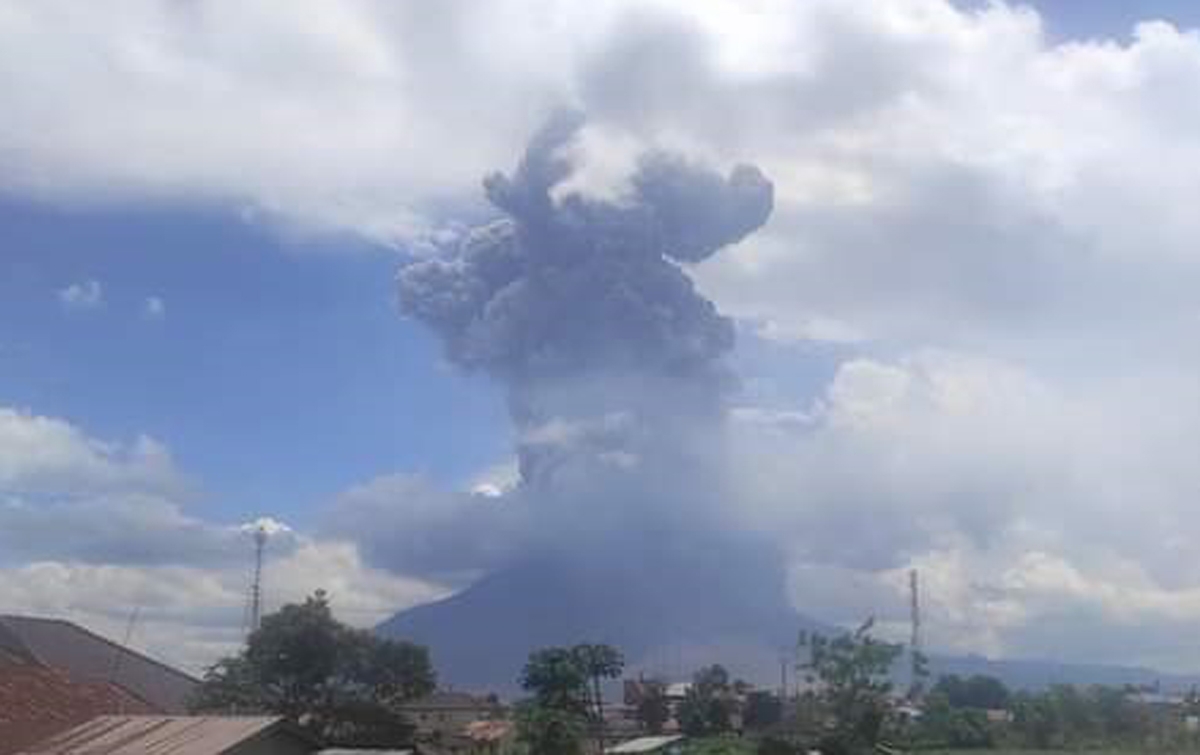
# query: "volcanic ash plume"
{"type": "Point", "coordinates": [614, 367]}
{"type": "Point", "coordinates": [566, 290]}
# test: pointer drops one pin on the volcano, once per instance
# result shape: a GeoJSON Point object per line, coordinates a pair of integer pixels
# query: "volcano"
{"type": "Point", "coordinates": [668, 618]}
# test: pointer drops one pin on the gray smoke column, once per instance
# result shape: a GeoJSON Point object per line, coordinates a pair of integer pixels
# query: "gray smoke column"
{"type": "Point", "coordinates": [621, 527]}
{"type": "Point", "coordinates": [569, 288]}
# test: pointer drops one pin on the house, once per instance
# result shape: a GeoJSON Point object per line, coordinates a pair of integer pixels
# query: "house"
{"type": "Point", "coordinates": [999, 715]}
{"type": "Point", "coordinates": [489, 736]}
{"type": "Point", "coordinates": [37, 702]}
{"type": "Point", "coordinates": [676, 692]}
{"type": "Point", "coordinates": [179, 735]}
{"type": "Point", "coordinates": [666, 745]}
{"type": "Point", "coordinates": [87, 657]}
{"type": "Point", "coordinates": [447, 713]}
{"type": "Point", "coordinates": [55, 675]}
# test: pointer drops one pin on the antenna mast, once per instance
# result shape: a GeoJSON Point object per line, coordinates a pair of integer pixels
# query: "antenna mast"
{"type": "Point", "coordinates": [260, 544]}
{"type": "Point", "coordinates": [914, 649]}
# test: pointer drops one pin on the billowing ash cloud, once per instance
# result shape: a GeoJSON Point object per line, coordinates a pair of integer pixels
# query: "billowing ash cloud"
{"type": "Point", "coordinates": [613, 362]}
{"type": "Point", "coordinates": [568, 287]}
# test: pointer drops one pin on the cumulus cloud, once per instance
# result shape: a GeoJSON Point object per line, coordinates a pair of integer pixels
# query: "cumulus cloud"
{"type": "Point", "coordinates": [87, 294]}
{"type": "Point", "coordinates": [92, 530]}
{"type": "Point", "coordinates": [1028, 511]}
{"type": "Point", "coordinates": [43, 455]}
{"type": "Point", "coordinates": [65, 494]}
{"type": "Point", "coordinates": [191, 615]}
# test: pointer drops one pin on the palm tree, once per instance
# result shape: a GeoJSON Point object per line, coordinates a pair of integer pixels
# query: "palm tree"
{"type": "Point", "coordinates": [599, 662]}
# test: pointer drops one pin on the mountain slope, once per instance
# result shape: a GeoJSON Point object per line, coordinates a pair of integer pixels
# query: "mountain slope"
{"type": "Point", "coordinates": [663, 621]}
{"type": "Point", "coordinates": [667, 622]}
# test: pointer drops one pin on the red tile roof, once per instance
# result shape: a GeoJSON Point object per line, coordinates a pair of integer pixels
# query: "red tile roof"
{"type": "Point", "coordinates": [38, 702]}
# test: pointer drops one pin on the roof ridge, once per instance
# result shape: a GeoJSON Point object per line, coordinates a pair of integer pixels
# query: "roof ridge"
{"type": "Point", "coordinates": [96, 636]}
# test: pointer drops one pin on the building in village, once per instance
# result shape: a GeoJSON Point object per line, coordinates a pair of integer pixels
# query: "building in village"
{"type": "Point", "coordinates": [449, 712]}
{"type": "Point", "coordinates": [675, 693]}
{"type": "Point", "coordinates": [454, 722]}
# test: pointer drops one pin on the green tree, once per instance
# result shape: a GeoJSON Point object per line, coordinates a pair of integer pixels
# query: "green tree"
{"type": "Point", "coordinates": [707, 706]}
{"type": "Point", "coordinates": [345, 685]}
{"type": "Point", "coordinates": [557, 680]}
{"type": "Point", "coordinates": [943, 725]}
{"type": "Point", "coordinates": [853, 672]}
{"type": "Point", "coordinates": [549, 731]}
{"type": "Point", "coordinates": [977, 691]}
{"type": "Point", "coordinates": [763, 709]}
{"type": "Point", "coordinates": [1036, 721]}
{"type": "Point", "coordinates": [565, 684]}
{"type": "Point", "coordinates": [1124, 720]}
{"type": "Point", "coordinates": [599, 662]}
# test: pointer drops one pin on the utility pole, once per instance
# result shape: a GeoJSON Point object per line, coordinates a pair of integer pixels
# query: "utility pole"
{"type": "Point", "coordinates": [783, 664]}
{"type": "Point", "coordinates": [119, 656]}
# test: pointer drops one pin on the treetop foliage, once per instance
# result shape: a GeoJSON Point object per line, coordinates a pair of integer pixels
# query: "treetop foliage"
{"type": "Point", "coordinates": [343, 684]}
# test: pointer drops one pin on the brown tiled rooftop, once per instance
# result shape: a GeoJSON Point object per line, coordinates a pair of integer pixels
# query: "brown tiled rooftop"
{"type": "Point", "coordinates": [38, 702]}
{"type": "Point", "coordinates": [87, 656]}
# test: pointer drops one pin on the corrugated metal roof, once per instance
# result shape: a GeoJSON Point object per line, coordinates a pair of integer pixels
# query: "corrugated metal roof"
{"type": "Point", "coordinates": [85, 655]}
{"type": "Point", "coordinates": [157, 735]}
{"type": "Point", "coordinates": [645, 744]}
{"type": "Point", "coordinates": [37, 702]}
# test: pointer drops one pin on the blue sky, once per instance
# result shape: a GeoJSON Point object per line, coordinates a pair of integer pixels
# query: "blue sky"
{"type": "Point", "coordinates": [1111, 18]}
{"type": "Point", "coordinates": [966, 334]}
{"type": "Point", "coordinates": [280, 373]}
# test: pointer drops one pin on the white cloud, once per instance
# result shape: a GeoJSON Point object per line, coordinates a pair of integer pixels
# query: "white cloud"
{"type": "Point", "coordinates": [1030, 512]}
{"type": "Point", "coordinates": [190, 615]}
{"type": "Point", "coordinates": [496, 479]}
{"type": "Point", "coordinates": [154, 308]}
{"type": "Point", "coordinates": [92, 530]}
{"type": "Point", "coordinates": [87, 294]}
{"type": "Point", "coordinates": [939, 172]}
{"type": "Point", "coordinates": [48, 455]}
